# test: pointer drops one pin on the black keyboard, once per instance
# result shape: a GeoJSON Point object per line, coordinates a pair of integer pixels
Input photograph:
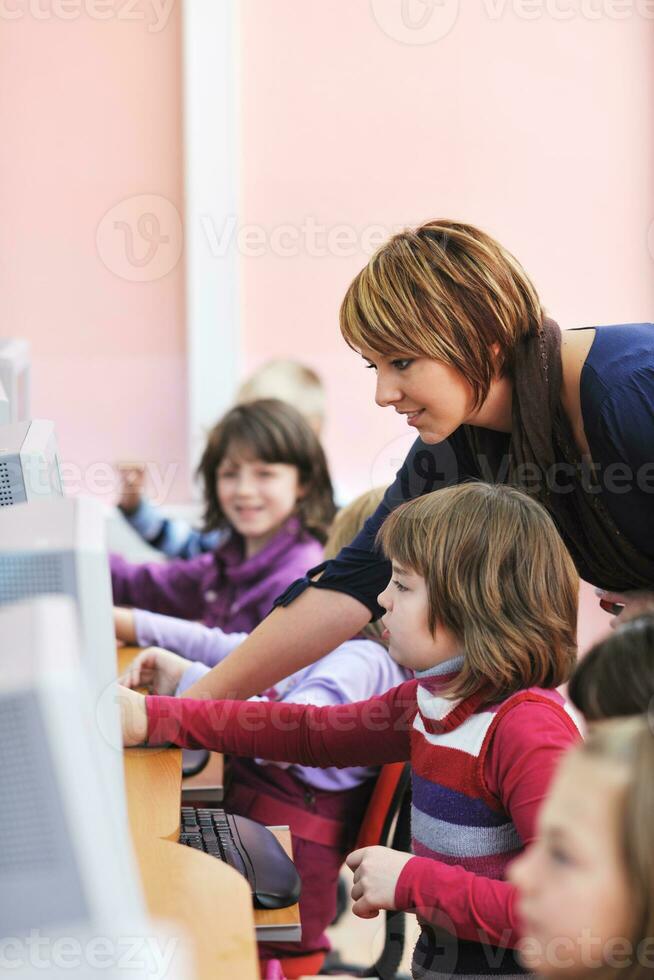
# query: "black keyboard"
{"type": "Point", "coordinates": [249, 847]}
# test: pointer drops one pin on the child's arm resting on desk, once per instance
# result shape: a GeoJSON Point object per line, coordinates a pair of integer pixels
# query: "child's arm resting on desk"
{"type": "Point", "coordinates": [366, 733]}
{"type": "Point", "coordinates": [190, 640]}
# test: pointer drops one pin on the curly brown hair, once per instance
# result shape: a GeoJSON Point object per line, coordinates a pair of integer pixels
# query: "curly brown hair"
{"type": "Point", "coordinates": [273, 432]}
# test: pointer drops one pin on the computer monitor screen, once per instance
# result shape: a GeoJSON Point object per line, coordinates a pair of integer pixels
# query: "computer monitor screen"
{"type": "Point", "coordinates": [29, 462]}
{"type": "Point", "coordinates": [61, 861]}
{"type": "Point", "coordinates": [57, 547]}
{"type": "Point", "coordinates": [15, 376]}
{"type": "Point", "coordinates": [66, 874]}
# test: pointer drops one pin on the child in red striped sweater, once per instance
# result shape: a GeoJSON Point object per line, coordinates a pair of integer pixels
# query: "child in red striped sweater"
{"type": "Point", "coordinates": [482, 607]}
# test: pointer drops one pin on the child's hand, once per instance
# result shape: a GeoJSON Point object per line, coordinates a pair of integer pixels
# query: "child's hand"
{"type": "Point", "coordinates": [132, 482]}
{"type": "Point", "coordinates": [157, 669]}
{"type": "Point", "coordinates": [635, 603]}
{"type": "Point", "coordinates": [376, 872]}
{"type": "Point", "coordinates": [133, 716]}
{"type": "Point", "coordinates": [124, 625]}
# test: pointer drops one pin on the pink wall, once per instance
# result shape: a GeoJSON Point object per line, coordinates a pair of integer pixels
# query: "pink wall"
{"type": "Point", "coordinates": [537, 130]}
{"type": "Point", "coordinates": [90, 116]}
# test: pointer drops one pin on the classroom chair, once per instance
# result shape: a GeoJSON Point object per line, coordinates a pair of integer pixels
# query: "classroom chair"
{"type": "Point", "coordinates": [391, 798]}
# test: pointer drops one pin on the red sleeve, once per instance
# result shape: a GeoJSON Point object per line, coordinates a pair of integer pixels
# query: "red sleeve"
{"type": "Point", "coordinates": [367, 733]}
{"type": "Point", "coordinates": [521, 758]}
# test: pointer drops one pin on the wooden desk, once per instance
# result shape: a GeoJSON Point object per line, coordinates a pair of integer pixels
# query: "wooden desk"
{"type": "Point", "coordinates": [211, 899]}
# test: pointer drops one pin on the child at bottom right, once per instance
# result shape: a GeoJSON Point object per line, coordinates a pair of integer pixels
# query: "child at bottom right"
{"type": "Point", "coordinates": [586, 886]}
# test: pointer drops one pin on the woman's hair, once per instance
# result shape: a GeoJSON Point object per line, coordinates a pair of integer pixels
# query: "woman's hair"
{"type": "Point", "coordinates": [448, 291]}
{"type": "Point", "coordinates": [347, 523]}
{"type": "Point", "coordinates": [630, 743]}
{"type": "Point", "coordinates": [499, 577]}
{"type": "Point", "coordinates": [274, 432]}
{"type": "Point", "coordinates": [616, 677]}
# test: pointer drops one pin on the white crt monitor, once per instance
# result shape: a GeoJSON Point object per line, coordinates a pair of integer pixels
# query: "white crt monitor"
{"type": "Point", "coordinates": [57, 547]}
{"type": "Point", "coordinates": [5, 407]}
{"type": "Point", "coordinates": [15, 376]}
{"type": "Point", "coordinates": [60, 861]}
{"type": "Point", "coordinates": [29, 462]}
{"type": "Point", "coordinates": [65, 874]}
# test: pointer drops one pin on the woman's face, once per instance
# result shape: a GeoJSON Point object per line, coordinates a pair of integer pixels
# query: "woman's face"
{"type": "Point", "coordinates": [435, 398]}
{"type": "Point", "coordinates": [573, 894]}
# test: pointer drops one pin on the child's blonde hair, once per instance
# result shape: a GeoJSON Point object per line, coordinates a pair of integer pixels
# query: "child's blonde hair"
{"type": "Point", "coordinates": [499, 577]}
{"type": "Point", "coordinates": [347, 523]}
{"type": "Point", "coordinates": [291, 382]}
{"type": "Point", "coordinates": [630, 743]}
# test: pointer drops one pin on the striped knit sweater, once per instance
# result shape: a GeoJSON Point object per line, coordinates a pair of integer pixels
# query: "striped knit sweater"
{"type": "Point", "coordinates": [454, 817]}
{"type": "Point", "coordinates": [479, 775]}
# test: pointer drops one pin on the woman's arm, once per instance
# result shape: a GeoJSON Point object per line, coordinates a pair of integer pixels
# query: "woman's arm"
{"type": "Point", "coordinates": [289, 638]}
{"type": "Point", "coordinates": [335, 607]}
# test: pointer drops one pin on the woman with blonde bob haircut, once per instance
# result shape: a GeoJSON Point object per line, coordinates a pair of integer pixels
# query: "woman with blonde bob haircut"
{"type": "Point", "coordinates": [586, 886]}
{"type": "Point", "coordinates": [457, 335]}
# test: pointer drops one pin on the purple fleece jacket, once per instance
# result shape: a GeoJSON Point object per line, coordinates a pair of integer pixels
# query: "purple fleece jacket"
{"type": "Point", "coordinates": [220, 589]}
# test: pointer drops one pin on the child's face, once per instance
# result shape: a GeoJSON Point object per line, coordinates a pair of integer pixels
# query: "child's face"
{"type": "Point", "coordinates": [573, 893]}
{"type": "Point", "coordinates": [256, 497]}
{"type": "Point", "coordinates": [411, 644]}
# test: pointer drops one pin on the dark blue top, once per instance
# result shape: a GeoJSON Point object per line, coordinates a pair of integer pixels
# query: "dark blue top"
{"type": "Point", "coordinates": [617, 405]}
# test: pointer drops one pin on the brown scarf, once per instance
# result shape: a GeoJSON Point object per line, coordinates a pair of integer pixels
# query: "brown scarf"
{"type": "Point", "coordinates": [543, 455]}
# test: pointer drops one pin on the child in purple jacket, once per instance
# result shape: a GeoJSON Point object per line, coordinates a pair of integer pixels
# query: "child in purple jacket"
{"type": "Point", "coordinates": [323, 807]}
{"type": "Point", "coordinates": [265, 481]}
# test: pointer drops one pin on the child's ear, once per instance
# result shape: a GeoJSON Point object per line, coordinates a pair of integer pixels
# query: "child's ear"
{"type": "Point", "coordinates": [302, 489]}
